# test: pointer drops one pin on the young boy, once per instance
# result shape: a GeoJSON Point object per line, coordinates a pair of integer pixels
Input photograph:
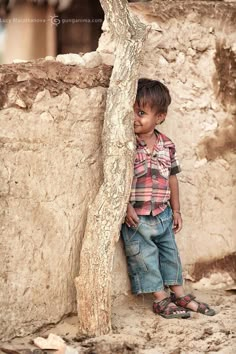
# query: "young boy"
{"type": "Point", "coordinates": [153, 213]}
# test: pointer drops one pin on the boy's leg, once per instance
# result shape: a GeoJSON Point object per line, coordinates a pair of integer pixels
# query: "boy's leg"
{"type": "Point", "coordinates": [142, 257]}
{"type": "Point", "coordinates": [143, 265]}
{"type": "Point", "coordinates": [171, 268]}
{"type": "Point", "coordinates": [170, 264]}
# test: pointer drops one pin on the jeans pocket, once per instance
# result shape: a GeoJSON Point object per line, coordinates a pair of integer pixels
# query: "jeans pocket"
{"type": "Point", "coordinates": [128, 232]}
{"type": "Point", "coordinates": [135, 258]}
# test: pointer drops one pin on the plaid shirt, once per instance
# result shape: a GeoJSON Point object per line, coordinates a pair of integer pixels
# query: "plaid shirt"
{"type": "Point", "coordinates": [150, 190]}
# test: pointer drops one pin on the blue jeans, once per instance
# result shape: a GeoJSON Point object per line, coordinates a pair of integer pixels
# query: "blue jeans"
{"type": "Point", "coordinates": [152, 255]}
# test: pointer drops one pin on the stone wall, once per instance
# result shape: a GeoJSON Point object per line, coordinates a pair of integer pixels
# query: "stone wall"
{"type": "Point", "coordinates": [191, 47]}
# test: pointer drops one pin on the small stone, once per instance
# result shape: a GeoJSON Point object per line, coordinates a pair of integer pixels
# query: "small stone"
{"type": "Point", "coordinates": [70, 59]}
{"type": "Point", "coordinates": [180, 58]}
{"type": "Point", "coordinates": [200, 45]}
{"type": "Point", "coordinates": [70, 350]}
{"type": "Point", "coordinates": [92, 59]}
{"type": "Point", "coordinates": [234, 47]}
{"type": "Point", "coordinates": [191, 52]}
{"type": "Point", "coordinates": [208, 331]}
{"type": "Point", "coordinates": [20, 103]}
{"type": "Point", "coordinates": [163, 61]}
{"type": "Point", "coordinates": [52, 342]}
{"type": "Point", "coordinates": [23, 77]}
{"type": "Point", "coordinates": [17, 61]}
{"type": "Point", "coordinates": [155, 27]}
{"type": "Point", "coordinates": [49, 57]}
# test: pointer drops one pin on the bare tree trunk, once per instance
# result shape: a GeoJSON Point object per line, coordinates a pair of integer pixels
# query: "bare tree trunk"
{"type": "Point", "coordinates": [108, 209]}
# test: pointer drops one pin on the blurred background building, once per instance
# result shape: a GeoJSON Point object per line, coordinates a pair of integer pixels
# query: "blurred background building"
{"type": "Point", "coordinates": [31, 29]}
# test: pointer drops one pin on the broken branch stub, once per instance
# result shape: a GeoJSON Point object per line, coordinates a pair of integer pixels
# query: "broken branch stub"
{"type": "Point", "coordinates": [107, 211]}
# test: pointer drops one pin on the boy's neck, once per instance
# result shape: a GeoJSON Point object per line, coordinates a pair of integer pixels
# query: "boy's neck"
{"type": "Point", "coordinates": [147, 136]}
{"type": "Point", "coordinates": [149, 139]}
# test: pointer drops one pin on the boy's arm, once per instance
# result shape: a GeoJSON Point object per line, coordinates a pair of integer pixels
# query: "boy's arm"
{"type": "Point", "coordinates": [174, 202]}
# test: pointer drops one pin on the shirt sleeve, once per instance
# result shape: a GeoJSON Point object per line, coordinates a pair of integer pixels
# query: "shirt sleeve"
{"type": "Point", "coordinates": [175, 166]}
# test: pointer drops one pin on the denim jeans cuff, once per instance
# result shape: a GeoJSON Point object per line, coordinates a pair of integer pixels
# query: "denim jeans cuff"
{"type": "Point", "coordinates": [148, 291]}
{"type": "Point", "coordinates": [167, 283]}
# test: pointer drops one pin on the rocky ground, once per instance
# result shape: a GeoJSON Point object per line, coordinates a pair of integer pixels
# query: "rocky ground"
{"type": "Point", "coordinates": [136, 330]}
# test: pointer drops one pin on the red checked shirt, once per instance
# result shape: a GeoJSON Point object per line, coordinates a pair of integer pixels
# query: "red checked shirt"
{"type": "Point", "coordinates": [150, 192]}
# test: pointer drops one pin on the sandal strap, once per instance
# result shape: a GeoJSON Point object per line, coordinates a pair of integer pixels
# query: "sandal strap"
{"type": "Point", "coordinates": [202, 307]}
{"type": "Point", "coordinates": [174, 310]}
{"type": "Point", "coordinates": [183, 301]}
{"type": "Point", "coordinates": [160, 306]}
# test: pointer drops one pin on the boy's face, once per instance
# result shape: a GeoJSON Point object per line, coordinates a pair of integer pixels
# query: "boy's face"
{"type": "Point", "coordinates": [145, 119]}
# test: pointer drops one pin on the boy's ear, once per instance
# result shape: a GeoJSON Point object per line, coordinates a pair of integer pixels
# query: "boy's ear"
{"type": "Point", "coordinates": [160, 118]}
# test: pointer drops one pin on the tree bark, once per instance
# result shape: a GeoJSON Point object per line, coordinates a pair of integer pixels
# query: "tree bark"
{"type": "Point", "coordinates": [106, 214]}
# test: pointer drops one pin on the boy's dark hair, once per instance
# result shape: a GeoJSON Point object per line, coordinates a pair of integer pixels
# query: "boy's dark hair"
{"type": "Point", "coordinates": [153, 93]}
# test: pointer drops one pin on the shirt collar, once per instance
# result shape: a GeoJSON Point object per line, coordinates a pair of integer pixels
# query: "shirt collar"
{"type": "Point", "coordinates": [142, 143]}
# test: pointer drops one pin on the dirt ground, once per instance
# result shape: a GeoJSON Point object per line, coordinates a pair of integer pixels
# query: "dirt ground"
{"type": "Point", "coordinates": [137, 330]}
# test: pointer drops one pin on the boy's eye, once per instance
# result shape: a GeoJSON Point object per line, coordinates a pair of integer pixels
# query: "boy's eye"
{"type": "Point", "coordinates": [141, 113]}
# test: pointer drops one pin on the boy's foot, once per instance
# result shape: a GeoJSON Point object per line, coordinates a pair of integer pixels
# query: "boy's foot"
{"type": "Point", "coordinates": [167, 309]}
{"type": "Point", "coordinates": [188, 302]}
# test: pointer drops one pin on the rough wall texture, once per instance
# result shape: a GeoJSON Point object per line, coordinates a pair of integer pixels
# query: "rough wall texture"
{"type": "Point", "coordinates": [192, 48]}
{"type": "Point", "coordinates": [51, 122]}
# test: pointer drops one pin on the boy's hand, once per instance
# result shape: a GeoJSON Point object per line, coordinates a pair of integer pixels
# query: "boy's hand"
{"type": "Point", "coordinates": [177, 222]}
{"type": "Point", "coordinates": [131, 217]}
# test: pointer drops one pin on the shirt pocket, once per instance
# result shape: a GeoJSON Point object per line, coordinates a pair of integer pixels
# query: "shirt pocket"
{"type": "Point", "coordinates": [140, 165]}
{"type": "Point", "coordinates": [164, 162]}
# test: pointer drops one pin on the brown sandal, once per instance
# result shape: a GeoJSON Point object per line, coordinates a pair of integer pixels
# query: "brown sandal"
{"type": "Point", "coordinates": [183, 301]}
{"type": "Point", "coordinates": [163, 309]}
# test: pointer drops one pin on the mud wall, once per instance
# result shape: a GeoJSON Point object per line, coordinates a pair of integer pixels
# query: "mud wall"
{"type": "Point", "coordinates": [191, 47]}
{"type": "Point", "coordinates": [51, 121]}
